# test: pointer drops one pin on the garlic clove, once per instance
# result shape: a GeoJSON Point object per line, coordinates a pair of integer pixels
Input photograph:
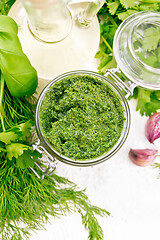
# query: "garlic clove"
{"type": "Point", "coordinates": [143, 157]}
{"type": "Point", "coordinates": [153, 127]}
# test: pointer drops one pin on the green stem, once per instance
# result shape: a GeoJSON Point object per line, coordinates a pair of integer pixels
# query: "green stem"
{"type": "Point", "coordinates": [111, 19]}
{"type": "Point", "coordinates": [107, 44]}
{"type": "Point", "coordinates": [1, 104]}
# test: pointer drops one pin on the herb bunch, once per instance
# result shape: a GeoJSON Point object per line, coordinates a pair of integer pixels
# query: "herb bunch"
{"type": "Point", "coordinates": [110, 16]}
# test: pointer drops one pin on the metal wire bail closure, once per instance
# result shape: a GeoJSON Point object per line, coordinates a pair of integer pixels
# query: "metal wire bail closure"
{"type": "Point", "coordinates": [52, 162]}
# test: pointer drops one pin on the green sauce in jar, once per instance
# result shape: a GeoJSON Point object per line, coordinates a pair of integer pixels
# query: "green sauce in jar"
{"type": "Point", "coordinates": [81, 117]}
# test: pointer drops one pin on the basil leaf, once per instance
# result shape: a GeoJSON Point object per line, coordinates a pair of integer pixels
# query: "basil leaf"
{"type": "Point", "coordinates": [20, 76]}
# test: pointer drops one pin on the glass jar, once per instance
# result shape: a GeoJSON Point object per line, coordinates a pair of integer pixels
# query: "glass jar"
{"type": "Point", "coordinates": [46, 145]}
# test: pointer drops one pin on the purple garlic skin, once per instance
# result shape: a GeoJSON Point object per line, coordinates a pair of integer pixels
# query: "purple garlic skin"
{"type": "Point", "coordinates": [153, 127]}
{"type": "Point", "coordinates": [143, 157]}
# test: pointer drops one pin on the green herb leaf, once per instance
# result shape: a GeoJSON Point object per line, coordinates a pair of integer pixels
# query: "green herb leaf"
{"type": "Point", "coordinates": [105, 53]}
{"type": "Point", "coordinates": [148, 6]}
{"type": "Point", "coordinates": [20, 76]}
{"type": "Point", "coordinates": [150, 59]}
{"type": "Point", "coordinates": [148, 102]}
{"type": "Point", "coordinates": [113, 6]}
{"type": "Point", "coordinates": [151, 38]}
{"type": "Point", "coordinates": [149, 1]}
{"type": "Point", "coordinates": [123, 15]}
{"type": "Point", "coordinates": [15, 150]}
{"type": "Point", "coordinates": [26, 160]}
{"type": "Point", "coordinates": [129, 3]}
{"type": "Point", "coordinates": [143, 98]}
{"type": "Point", "coordinates": [8, 137]}
{"type": "Point", "coordinates": [25, 128]}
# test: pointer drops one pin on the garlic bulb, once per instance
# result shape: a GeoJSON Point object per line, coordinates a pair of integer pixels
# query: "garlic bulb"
{"type": "Point", "coordinates": [153, 127]}
{"type": "Point", "coordinates": [143, 157]}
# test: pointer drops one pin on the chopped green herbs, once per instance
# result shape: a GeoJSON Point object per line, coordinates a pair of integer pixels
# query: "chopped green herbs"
{"type": "Point", "coordinates": [81, 117]}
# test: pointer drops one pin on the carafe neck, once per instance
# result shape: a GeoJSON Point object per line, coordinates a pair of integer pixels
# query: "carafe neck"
{"type": "Point", "coordinates": [49, 21]}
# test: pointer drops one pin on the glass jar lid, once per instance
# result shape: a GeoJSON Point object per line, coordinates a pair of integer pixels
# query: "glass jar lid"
{"type": "Point", "coordinates": [136, 49]}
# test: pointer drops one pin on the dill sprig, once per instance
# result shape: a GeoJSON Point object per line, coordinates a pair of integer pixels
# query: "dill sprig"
{"type": "Point", "coordinates": [25, 198]}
